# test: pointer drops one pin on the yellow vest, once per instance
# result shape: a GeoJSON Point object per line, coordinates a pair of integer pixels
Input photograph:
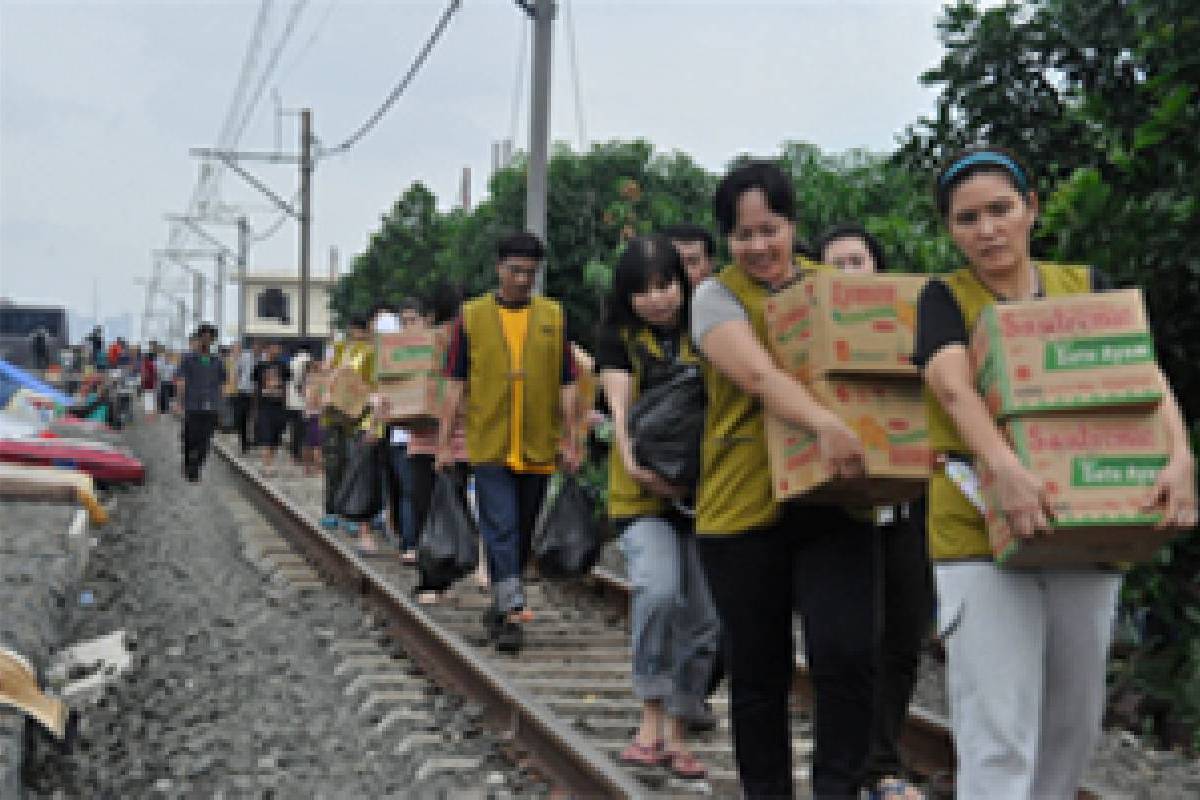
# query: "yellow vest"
{"type": "Point", "coordinates": [735, 476]}
{"type": "Point", "coordinates": [956, 530]}
{"type": "Point", "coordinates": [490, 380]}
{"type": "Point", "coordinates": [626, 497]}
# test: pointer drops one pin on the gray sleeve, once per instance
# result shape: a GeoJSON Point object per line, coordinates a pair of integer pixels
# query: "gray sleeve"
{"type": "Point", "coordinates": [713, 304]}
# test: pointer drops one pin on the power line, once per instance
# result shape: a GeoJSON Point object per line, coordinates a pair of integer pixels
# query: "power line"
{"type": "Point", "coordinates": [248, 62]}
{"type": "Point", "coordinates": [571, 53]}
{"type": "Point", "coordinates": [288, 28]}
{"type": "Point", "coordinates": [519, 81]}
{"type": "Point", "coordinates": [399, 89]}
{"type": "Point", "coordinates": [312, 38]}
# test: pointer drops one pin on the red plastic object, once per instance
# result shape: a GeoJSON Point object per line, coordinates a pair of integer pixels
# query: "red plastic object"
{"type": "Point", "coordinates": [106, 466]}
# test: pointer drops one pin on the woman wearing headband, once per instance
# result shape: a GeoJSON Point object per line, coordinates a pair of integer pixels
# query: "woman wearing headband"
{"type": "Point", "coordinates": [1026, 649]}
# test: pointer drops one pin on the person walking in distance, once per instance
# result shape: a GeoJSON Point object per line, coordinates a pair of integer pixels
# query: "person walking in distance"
{"type": "Point", "coordinates": [271, 377]}
{"type": "Point", "coordinates": [509, 351]}
{"type": "Point", "coordinates": [198, 389]}
{"type": "Point", "coordinates": [298, 367]}
{"type": "Point", "coordinates": [905, 593]}
{"type": "Point", "coordinates": [696, 249]}
{"type": "Point", "coordinates": [245, 360]}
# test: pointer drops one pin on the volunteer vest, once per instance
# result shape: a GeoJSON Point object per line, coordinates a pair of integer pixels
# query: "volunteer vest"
{"type": "Point", "coordinates": [735, 476]}
{"type": "Point", "coordinates": [626, 497]}
{"type": "Point", "coordinates": [956, 530]}
{"type": "Point", "coordinates": [490, 380]}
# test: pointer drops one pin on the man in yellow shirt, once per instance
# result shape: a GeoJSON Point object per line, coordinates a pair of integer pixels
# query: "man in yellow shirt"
{"type": "Point", "coordinates": [509, 352]}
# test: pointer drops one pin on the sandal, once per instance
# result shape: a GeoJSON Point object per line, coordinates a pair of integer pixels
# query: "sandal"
{"type": "Point", "coordinates": [685, 765]}
{"type": "Point", "coordinates": [892, 788]}
{"type": "Point", "coordinates": [429, 597]}
{"type": "Point", "coordinates": [409, 558]}
{"type": "Point", "coordinates": [644, 755]}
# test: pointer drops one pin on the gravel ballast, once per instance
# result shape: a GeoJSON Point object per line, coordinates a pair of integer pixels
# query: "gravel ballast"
{"type": "Point", "coordinates": [241, 684]}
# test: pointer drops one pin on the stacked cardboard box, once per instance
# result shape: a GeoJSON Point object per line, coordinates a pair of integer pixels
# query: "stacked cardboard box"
{"type": "Point", "coordinates": [849, 338]}
{"type": "Point", "coordinates": [1074, 386]}
{"type": "Point", "coordinates": [407, 373]}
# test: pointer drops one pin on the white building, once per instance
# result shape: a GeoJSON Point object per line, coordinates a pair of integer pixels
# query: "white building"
{"type": "Point", "coordinates": [271, 306]}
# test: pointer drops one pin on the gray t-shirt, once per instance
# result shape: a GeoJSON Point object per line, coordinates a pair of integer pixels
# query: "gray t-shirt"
{"type": "Point", "coordinates": [203, 376]}
{"type": "Point", "coordinates": [713, 304]}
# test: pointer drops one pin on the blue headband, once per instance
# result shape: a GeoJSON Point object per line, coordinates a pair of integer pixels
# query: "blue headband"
{"type": "Point", "coordinates": [985, 157]}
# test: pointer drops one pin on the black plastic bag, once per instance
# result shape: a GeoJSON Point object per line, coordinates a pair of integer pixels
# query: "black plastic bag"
{"type": "Point", "coordinates": [567, 537]}
{"type": "Point", "coordinates": [666, 426]}
{"type": "Point", "coordinates": [449, 542]}
{"type": "Point", "coordinates": [360, 497]}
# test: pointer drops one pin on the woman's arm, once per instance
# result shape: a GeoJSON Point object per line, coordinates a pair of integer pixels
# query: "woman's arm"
{"type": "Point", "coordinates": [1175, 490]}
{"type": "Point", "coordinates": [618, 390]}
{"type": "Point", "coordinates": [734, 350]}
{"type": "Point", "coordinates": [1019, 493]}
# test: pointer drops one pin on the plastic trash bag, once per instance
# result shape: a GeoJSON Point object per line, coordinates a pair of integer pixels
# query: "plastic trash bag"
{"type": "Point", "coordinates": [666, 426]}
{"type": "Point", "coordinates": [449, 542]}
{"type": "Point", "coordinates": [360, 497]}
{"type": "Point", "coordinates": [567, 537]}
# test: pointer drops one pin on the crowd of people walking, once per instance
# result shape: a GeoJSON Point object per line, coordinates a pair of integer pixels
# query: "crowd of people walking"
{"type": "Point", "coordinates": [720, 568]}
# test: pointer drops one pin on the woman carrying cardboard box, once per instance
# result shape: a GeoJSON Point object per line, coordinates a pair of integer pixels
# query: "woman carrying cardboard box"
{"type": "Point", "coordinates": [1026, 649]}
{"type": "Point", "coordinates": [756, 550]}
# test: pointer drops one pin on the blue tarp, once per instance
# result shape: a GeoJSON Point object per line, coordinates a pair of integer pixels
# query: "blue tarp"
{"type": "Point", "coordinates": [20, 376]}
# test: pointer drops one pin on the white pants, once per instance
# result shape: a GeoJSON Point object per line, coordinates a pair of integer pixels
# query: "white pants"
{"type": "Point", "coordinates": [1025, 662]}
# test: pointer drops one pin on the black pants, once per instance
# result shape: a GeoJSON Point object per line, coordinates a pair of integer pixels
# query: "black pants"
{"type": "Point", "coordinates": [295, 421]}
{"type": "Point", "coordinates": [906, 601]}
{"type": "Point", "coordinates": [166, 392]}
{"type": "Point", "coordinates": [827, 559]}
{"type": "Point", "coordinates": [241, 418]}
{"type": "Point", "coordinates": [333, 457]}
{"type": "Point", "coordinates": [198, 427]}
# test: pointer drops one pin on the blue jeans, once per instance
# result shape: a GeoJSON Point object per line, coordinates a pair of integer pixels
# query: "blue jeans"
{"type": "Point", "coordinates": [673, 621]}
{"type": "Point", "coordinates": [509, 503]}
{"type": "Point", "coordinates": [401, 504]}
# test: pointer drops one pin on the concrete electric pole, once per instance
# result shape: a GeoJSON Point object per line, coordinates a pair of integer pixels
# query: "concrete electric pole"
{"type": "Point", "coordinates": [542, 12]}
{"type": "Point", "coordinates": [306, 169]}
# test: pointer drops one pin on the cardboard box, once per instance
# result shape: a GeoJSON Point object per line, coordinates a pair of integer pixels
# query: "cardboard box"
{"type": "Point", "coordinates": [409, 365]}
{"type": "Point", "coordinates": [845, 324]}
{"type": "Point", "coordinates": [403, 354]}
{"type": "Point", "coordinates": [1087, 351]}
{"type": "Point", "coordinates": [1098, 469]}
{"type": "Point", "coordinates": [347, 392]}
{"type": "Point", "coordinates": [889, 417]}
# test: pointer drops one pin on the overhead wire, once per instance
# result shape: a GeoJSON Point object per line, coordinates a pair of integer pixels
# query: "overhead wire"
{"type": "Point", "coordinates": [400, 87]}
{"type": "Point", "coordinates": [288, 28]}
{"type": "Point", "coordinates": [581, 129]}
{"type": "Point", "coordinates": [304, 48]}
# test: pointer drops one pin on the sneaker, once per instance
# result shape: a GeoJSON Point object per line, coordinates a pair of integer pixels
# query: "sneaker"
{"type": "Point", "coordinates": [350, 526]}
{"type": "Point", "coordinates": [510, 638]}
{"type": "Point", "coordinates": [329, 522]}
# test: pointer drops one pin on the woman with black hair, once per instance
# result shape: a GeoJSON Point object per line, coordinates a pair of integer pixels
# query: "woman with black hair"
{"type": "Point", "coordinates": [1026, 649]}
{"type": "Point", "coordinates": [905, 591]}
{"type": "Point", "coordinates": [757, 551]}
{"type": "Point", "coordinates": [673, 624]}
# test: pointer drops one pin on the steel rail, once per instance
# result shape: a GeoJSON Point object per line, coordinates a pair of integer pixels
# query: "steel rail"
{"type": "Point", "coordinates": [571, 763]}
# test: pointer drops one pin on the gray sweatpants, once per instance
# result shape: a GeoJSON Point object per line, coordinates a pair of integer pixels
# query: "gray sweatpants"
{"type": "Point", "coordinates": [1025, 666]}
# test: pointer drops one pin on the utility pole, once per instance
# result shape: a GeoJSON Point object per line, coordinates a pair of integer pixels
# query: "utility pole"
{"type": "Point", "coordinates": [243, 230]}
{"type": "Point", "coordinates": [197, 297]}
{"type": "Point", "coordinates": [542, 12]}
{"type": "Point", "coordinates": [306, 168]}
{"type": "Point", "coordinates": [219, 295]}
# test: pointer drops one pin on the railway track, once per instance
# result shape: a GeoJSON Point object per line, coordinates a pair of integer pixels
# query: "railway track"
{"type": "Point", "coordinates": [565, 703]}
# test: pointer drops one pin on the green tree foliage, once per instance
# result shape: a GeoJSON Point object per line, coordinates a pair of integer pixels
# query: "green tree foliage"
{"type": "Point", "coordinates": [1102, 97]}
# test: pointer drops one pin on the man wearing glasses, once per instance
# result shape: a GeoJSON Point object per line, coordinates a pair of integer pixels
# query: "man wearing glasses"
{"type": "Point", "coordinates": [509, 352]}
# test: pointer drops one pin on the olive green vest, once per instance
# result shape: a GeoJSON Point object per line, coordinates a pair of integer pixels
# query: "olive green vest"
{"type": "Point", "coordinates": [490, 379]}
{"type": "Point", "coordinates": [626, 497]}
{"type": "Point", "coordinates": [735, 476]}
{"type": "Point", "coordinates": [956, 529]}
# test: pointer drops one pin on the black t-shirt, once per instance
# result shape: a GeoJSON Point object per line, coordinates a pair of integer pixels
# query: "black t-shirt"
{"type": "Point", "coordinates": [611, 352]}
{"type": "Point", "coordinates": [270, 379]}
{"type": "Point", "coordinates": [940, 322]}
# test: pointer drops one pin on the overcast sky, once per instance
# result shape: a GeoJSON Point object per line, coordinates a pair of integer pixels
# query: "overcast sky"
{"type": "Point", "coordinates": [100, 101]}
